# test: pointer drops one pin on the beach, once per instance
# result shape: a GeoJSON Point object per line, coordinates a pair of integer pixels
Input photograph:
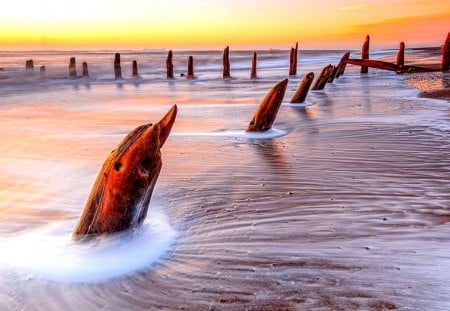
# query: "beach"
{"type": "Point", "coordinates": [345, 205]}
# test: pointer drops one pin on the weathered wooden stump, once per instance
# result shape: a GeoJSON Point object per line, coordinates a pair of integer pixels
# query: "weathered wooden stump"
{"type": "Point", "coordinates": [401, 55]}
{"type": "Point", "coordinates": [303, 88]}
{"type": "Point", "coordinates": [446, 54]}
{"type": "Point", "coordinates": [365, 53]}
{"type": "Point", "coordinates": [42, 72]}
{"type": "Point", "coordinates": [323, 78]}
{"type": "Point", "coordinates": [294, 69]}
{"type": "Point", "coordinates": [169, 65]}
{"type": "Point", "coordinates": [226, 63]}
{"type": "Point", "coordinates": [121, 195]}
{"type": "Point", "coordinates": [342, 64]}
{"type": "Point", "coordinates": [29, 65]}
{"type": "Point", "coordinates": [117, 68]}
{"type": "Point", "coordinates": [72, 67]}
{"type": "Point", "coordinates": [253, 74]}
{"type": "Point", "coordinates": [85, 71]}
{"type": "Point", "coordinates": [267, 110]}
{"type": "Point", "coordinates": [332, 75]}
{"type": "Point", "coordinates": [134, 70]}
{"type": "Point", "coordinates": [190, 73]}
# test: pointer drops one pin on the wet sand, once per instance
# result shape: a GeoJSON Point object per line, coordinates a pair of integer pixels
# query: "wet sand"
{"type": "Point", "coordinates": [349, 210]}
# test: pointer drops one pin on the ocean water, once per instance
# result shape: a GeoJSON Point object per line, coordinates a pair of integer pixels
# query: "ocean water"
{"type": "Point", "coordinates": [345, 203]}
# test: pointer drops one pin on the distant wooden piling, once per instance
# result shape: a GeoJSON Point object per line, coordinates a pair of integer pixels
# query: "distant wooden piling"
{"type": "Point", "coordinates": [365, 53]}
{"type": "Point", "coordinates": [291, 61]}
{"type": "Point", "coordinates": [42, 72]}
{"type": "Point", "coordinates": [303, 88]}
{"type": "Point", "coordinates": [134, 70]}
{"type": "Point", "coordinates": [342, 64]}
{"type": "Point", "coordinates": [253, 74]}
{"type": "Point", "coordinates": [72, 67]}
{"type": "Point", "coordinates": [117, 68]}
{"type": "Point", "coordinates": [85, 71]}
{"type": "Point", "coordinates": [446, 54]}
{"type": "Point", "coordinates": [294, 69]}
{"type": "Point", "coordinates": [401, 55]}
{"type": "Point", "coordinates": [169, 65]}
{"type": "Point", "coordinates": [190, 74]}
{"type": "Point", "coordinates": [226, 63]}
{"type": "Point", "coordinates": [29, 65]}
{"type": "Point", "coordinates": [323, 78]}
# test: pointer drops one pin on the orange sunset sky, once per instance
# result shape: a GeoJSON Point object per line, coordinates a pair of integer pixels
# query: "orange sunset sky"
{"type": "Point", "coordinates": [205, 24]}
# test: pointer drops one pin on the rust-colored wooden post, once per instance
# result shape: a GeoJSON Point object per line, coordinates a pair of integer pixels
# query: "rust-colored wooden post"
{"type": "Point", "coordinates": [253, 72]}
{"type": "Point", "coordinates": [190, 74]}
{"type": "Point", "coordinates": [365, 53]}
{"type": "Point", "coordinates": [135, 73]}
{"type": "Point", "coordinates": [323, 78]}
{"type": "Point", "coordinates": [291, 61]}
{"type": "Point", "coordinates": [401, 55]}
{"type": "Point", "coordinates": [342, 64]}
{"type": "Point", "coordinates": [72, 67]}
{"type": "Point", "coordinates": [85, 71]}
{"type": "Point", "coordinates": [332, 75]}
{"type": "Point", "coordinates": [169, 65]}
{"type": "Point", "coordinates": [303, 88]}
{"type": "Point", "coordinates": [226, 63]}
{"type": "Point", "coordinates": [42, 72]}
{"type": "Point", "coordinates": [117, 68]}
{"type": "Point", "coordinates": [29, 65]}
{"type": "Point", "coordinates": [294, 67]}
{"type": "Point", "coordinates": [446, 54]}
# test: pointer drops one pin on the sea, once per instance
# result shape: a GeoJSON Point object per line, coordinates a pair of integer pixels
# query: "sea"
{"type": "Point", "coordinates": [343, 204]}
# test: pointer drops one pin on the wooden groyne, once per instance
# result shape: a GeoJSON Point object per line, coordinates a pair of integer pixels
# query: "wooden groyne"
{"type": "Point", "coordinates": [226, 63]}
{"type": "Point", "coordinates": [117, 68]}
{"type": "Point", "coordinates": [303, 88]}
{"type": "Point", "coordinates": [85, 71]}
{"type": "Point", "coordinates": [190, 74]}
{"type": "Point", "coordinates": [134, 70]}
{"type": "Point", "coordinates": [169, 65]}
{"type": "Point", "coordinates": [72, 67]}
{"type": "Point", "coordinates": [365, 53]}
{"type": "Point", "coordinates": [293, 55]}
{"type": "Point", "coordinates": [253, 74]}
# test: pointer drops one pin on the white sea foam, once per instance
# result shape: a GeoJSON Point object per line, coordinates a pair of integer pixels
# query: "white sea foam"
{"type": "Point", "coordinates": [51, 254]}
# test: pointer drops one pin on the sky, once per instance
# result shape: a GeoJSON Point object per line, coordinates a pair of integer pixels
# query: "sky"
{"type": "Point", "coordinates": [211, 24]}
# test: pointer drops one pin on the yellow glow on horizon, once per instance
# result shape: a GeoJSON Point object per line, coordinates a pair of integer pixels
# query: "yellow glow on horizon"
{"type": "Point", "coordinates": [77, 24]}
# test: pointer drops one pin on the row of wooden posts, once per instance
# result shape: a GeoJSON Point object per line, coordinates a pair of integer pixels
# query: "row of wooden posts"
{"type": "Point", "coordinates": [327, 74]}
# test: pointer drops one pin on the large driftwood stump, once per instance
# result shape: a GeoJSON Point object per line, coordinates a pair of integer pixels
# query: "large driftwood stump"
{"type": "Point", "coordinates": [190, 74]}
{"type": "Point", "coordinates": [29, 65]}
{"type": "Point", "coordinates": [253, 74]}
{"type": "Point", "coordinates": [72, 67]}
{"type": "Point", "coordinates": [226, 63]}
{"type": "Point", "coordinates": [134, 70]}
{"type": "Point", "coordinates": [121, 195]}
{"type": "Point", "coordinates": [42, 72]}
{"type": "Point", "coordinates": [446, 54]}
{"type": "Point", "coordinates": [401, 55]}
{"type": "Point", "coordinates": [342, 64]}
{"type": "Point", "coordinates": [365, 53]}
{"type": "Point", "coordinates": [323, 78]}
{"type": "Point", "coordinates": [85, 71]}
{"type": "Point", "coordinates": [268, 108]}
{"type": "Point", "coordinates": [169, 65]}
{"type": "Point", "coordinates": [303, 88]}
{"type": "Point", "coordinates": [117, 68]}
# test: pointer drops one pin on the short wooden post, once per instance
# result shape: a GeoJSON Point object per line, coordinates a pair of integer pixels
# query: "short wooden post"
{"type": "Point", "coordinates": [169, 65]}
{"type": "Point", "coordinates": [342, 64]}
{"type": "Point", "coordinates": [291, 61]}
{"type": "Point", "coordinates": [42, 72]}
{"type": "Point", "coordinates": [190, 74]}
{"type": "Point", "coordinates": [294, 69]}
{"type": "Point", "coordinates": [85, 72]}
{"type": "Point", "coordinates": [253, 72]}
{"type": "Point", "coordinates": [401, 55]}
{"type": "Point", "coordinates": [226, 63]}
{"type": "Point", "coordinates": [72, 67]}
{"type": "Point", "coordinates": [323, 78]}
{"type": "Point", "coordinates": [29, 65]}
{"type": "Point", "coordinates": [365, 53]}
{"type": "Point", "coordinates": [117, 68]}
{"type": "Point", "coordinates": [135, 73]}
{"type": "Point", "coordinates": [303, 88]}
{"type": "Point", "coordinates": [446, 54]}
